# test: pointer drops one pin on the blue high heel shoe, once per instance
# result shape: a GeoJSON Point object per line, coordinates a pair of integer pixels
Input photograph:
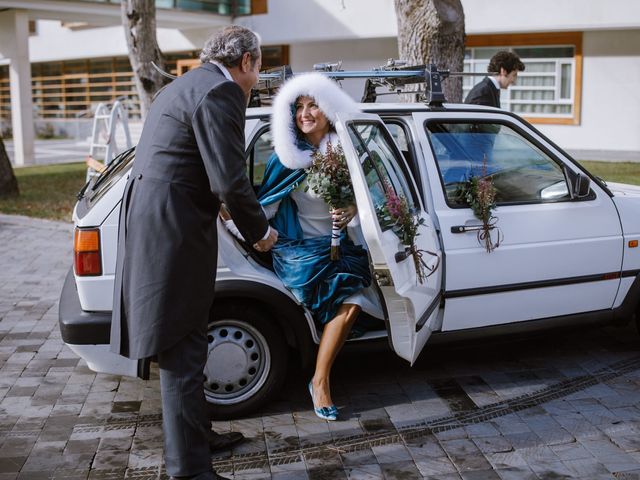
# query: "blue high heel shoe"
{"type": "Point", "coordinates": [325, 413]}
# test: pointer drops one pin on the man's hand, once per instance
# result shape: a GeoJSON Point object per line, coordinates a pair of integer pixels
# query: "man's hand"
{"type": "Point", "coordinates": [266, 244]}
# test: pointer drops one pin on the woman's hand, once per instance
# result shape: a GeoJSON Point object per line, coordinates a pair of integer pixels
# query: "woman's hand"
{"type": "Point", "coordinates": [342, 216]}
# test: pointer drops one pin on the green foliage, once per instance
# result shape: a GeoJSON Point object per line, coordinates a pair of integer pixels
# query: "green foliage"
{"type": "Point", "coordinates": [328, 177]}
{"type": "Point", "coordinates": [46, 191]}
{"type": "Point", "coordinates": [622, 172]}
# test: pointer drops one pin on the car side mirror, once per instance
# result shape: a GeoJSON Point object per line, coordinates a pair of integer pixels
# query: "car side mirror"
{"type": "Point", "coordinates": [579, 184]}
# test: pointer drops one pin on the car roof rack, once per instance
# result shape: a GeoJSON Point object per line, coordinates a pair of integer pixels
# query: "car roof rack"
{"type": "Point", "coordinates": [395, 75]}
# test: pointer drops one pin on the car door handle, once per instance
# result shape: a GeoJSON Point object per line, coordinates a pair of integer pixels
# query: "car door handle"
{"type": "Point", "coordinates": [407, 252]}
{"type": "Point", "coordinates": [402, 255]}
{"type": "Point", "coordinates": [468, 228]}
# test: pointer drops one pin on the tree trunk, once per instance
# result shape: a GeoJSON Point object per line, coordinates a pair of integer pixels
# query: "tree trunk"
{"type": "Point", "coordinates": [8, 182]}
{"type": "Point", "coordinates": [139, 20]}
{"type": "Point", "coordinates": [432, 31]}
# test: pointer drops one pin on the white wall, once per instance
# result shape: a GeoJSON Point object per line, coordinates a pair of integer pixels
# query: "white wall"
{"type": "Point", "coordinates": [610, 95]}
{"type": "Point", "coordinates": [293, 21]}
{"type": "Point", "coordinates": [513, 16]}
{"type": "Point", "coordinates": [357, 55]}
{"type": "Point", "coordinates": [54, 42]}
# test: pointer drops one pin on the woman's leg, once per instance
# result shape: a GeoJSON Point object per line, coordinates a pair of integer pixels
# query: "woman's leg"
{"type": "Point", "coordinates": [333, 336]}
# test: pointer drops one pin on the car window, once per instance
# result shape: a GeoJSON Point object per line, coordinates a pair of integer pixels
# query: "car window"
{"type": "Point", "coordinates": [382, 166]}
{"type": "Point", "coordinates": [401, 135]}
{"type": "Point", "coordinates": [398, 134]}
{"type": "Point", "coordinates": [521, 172]}
{"type": "Point", "coordinates": [258, 154]}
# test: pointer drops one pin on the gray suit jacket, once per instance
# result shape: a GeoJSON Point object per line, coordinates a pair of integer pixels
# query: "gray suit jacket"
{"type": "Point", "coordinates": [190, 158]}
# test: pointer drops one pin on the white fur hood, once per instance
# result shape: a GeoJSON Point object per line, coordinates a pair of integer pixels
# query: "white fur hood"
{"type": "Point", "coordinates": [331, 99]}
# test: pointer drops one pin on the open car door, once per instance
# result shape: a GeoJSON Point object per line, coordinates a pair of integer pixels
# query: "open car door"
{"type": "Point", "coordinates": [379, 174]}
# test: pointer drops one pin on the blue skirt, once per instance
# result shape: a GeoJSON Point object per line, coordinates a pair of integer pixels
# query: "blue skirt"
{"type": "Point", "coordinates": [319, 283]}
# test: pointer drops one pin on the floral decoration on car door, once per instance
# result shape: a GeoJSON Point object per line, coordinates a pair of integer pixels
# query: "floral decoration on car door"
{"type": "Point", "coordinates": [479, 193]}
{"type": "Point", "coordinates": [405, 223]}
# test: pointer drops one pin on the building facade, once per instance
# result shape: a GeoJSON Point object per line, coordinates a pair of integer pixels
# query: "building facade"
{"type": "Point", "coordinates": [580, 85]}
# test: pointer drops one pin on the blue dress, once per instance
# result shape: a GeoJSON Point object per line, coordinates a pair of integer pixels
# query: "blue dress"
{"type": "Point", "coordinates": [304, 264]}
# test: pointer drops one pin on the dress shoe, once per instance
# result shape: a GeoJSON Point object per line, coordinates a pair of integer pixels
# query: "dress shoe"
{"type": "Point", "coordinates": [326, 413]}
{"type": "Point", "coordinates": [219, 442]}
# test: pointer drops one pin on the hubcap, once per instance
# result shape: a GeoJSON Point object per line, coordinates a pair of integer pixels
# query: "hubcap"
{"type": "Point", "coordinates": [238, 362]}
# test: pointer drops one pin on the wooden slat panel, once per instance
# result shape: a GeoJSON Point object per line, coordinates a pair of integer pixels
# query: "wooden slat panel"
{"type": "Point", "coordinates": [258, 7]}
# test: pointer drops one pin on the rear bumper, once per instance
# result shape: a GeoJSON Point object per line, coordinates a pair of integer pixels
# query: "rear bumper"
{"type": "Point", "coordinates": [78, 327]}
{"type": "Point", "coordinates": [87, 334]}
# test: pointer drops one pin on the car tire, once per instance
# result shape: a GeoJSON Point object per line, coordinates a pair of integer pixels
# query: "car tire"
{"type": "Point", "coordinates": [246, 360]}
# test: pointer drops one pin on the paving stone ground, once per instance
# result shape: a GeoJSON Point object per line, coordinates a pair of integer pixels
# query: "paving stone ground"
{"type": "Point", "coordinates": [559, 405]}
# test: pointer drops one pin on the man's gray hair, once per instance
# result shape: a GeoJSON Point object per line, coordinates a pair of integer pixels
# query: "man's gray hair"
{"type": "Point", "coordinates": [229, 45]}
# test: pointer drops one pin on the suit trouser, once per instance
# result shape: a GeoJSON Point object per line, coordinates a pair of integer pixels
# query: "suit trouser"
{"type": "Point", "coordinates": [184, 415]}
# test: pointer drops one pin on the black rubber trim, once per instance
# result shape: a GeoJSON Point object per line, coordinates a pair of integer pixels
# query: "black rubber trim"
{"type": "Point", "coordinates": [556, 282]}
{"type": "Point", "coordinates": [77, 326]}
{"type": "Point", "coordinates": [434, 304]}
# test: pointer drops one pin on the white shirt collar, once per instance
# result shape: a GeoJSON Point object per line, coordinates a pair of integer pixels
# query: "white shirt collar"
{"type": "Point", "coordinates": [225, 72]}
{"type": "Point", "coordinates": [495, 82]}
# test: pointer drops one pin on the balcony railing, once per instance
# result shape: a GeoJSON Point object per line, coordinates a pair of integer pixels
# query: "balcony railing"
{"type": "Point", "coordinates": [221, 7]}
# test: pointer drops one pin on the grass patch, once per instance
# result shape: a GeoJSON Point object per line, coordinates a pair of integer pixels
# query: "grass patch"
{"type": "Point", "coordinates": [621, 172]}
{"type": "Point", "coordinates": [47, 191]}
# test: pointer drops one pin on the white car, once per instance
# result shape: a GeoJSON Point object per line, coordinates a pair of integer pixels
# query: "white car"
{"type": "Point", "coordinates": [568, 252]}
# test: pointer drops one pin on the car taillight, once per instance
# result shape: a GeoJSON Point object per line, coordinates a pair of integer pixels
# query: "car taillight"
{"type": "Point", "coordinates": [86, 252]}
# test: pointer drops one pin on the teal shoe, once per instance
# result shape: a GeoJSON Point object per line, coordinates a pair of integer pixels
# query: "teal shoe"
{"type": "Point", "coordinates": [325, 413]}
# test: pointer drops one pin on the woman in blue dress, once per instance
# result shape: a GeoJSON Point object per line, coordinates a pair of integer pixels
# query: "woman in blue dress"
{"type": "Point", "coordinates": [304, 114]}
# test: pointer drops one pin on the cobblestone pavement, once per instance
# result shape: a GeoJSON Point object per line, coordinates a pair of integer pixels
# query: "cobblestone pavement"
{"type": "Point", "coordinates": [562, 405]}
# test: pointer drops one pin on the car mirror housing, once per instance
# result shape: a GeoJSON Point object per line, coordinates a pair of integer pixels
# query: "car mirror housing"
{"type": "Point", "coordinates": [579, 184]}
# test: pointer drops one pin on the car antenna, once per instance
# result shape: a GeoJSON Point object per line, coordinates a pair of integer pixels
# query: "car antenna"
{"type": "Point", "coordinates": [162, 72]}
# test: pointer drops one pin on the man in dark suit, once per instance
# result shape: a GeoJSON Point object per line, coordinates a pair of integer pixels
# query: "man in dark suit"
{"type": "Point", "coordinates": [190, 158]}
{"type": "Point", "coordinates": [505, 66]}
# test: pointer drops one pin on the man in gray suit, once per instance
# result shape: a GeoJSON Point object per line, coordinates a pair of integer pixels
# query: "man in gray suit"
{"type": "Point", "coordinates": [190, 158]}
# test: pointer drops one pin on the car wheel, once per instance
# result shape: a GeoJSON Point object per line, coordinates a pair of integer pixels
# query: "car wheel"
{"type": "Point", "coordinates": [246, 360]}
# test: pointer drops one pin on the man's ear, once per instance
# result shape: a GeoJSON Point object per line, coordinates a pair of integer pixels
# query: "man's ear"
{"type": "Point", "coordinates": [245, 64]}
{"type": "Point", "coordinates": [503, 72]}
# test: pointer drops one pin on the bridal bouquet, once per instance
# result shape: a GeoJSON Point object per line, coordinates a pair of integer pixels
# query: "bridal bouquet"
{"type": "Point", "coordinates": [328, 177]}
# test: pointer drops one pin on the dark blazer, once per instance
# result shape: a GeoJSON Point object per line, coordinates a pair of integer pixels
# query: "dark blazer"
{"type": "Point", "coordinates": [484, 93]}
{"type": "Point", "coordinates": [190, 158]}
